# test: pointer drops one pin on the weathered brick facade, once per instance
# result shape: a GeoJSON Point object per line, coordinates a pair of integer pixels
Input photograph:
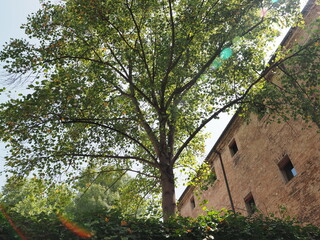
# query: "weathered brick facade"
{"type": "Point", "coordinates": [258, 166]}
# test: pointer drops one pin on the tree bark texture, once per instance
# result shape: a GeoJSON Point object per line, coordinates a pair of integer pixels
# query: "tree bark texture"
{"type": "Point", "coordinates": [169, 205]}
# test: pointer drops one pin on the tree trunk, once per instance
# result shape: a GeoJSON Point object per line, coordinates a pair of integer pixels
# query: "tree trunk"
{"type": "Point", "coordinates": [169, 206]}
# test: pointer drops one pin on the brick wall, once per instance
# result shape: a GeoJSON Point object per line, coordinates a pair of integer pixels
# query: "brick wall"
{"type": "Point", "coordinates": [256, 168]}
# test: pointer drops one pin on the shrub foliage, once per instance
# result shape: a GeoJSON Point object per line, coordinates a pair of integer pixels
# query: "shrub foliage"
{"type": "Point", "coordinates": [112, 225]}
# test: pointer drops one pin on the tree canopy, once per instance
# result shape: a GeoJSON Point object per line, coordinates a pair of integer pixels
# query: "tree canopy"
{"type": "Point", "coordinates": [133, 83]}
{"type": "Point", "coordinates": [31, 197]}
{"type": "Point", "coordinates": [92, 192]}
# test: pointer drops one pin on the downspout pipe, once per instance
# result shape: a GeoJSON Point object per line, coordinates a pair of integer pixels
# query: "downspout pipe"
{"type": "Point", "coordinates": [226, 181]}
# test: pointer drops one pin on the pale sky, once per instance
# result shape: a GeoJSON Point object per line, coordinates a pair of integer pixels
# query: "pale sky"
{"type": "Point", "coordinates": [12, 14]}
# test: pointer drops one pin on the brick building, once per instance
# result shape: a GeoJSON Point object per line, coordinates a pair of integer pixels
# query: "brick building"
{"type": "Point", "coordinates": [265, 165]}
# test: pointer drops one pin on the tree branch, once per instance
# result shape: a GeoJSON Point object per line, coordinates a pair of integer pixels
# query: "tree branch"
{"type": "Point", "coordinates": [188, 85]}
{"type": "Point", "coordinates": [131, 170]}
{"type": "Point", "coordinates": [144, 58]}
{"type": "Point", "coordinates": [141, 56]}
{"type": "Point", "coordinates": [130, 81]}
{"type": "Point", "coordinates": [114, 183]}
{"type": "Point", "coordinates": [88, 59]}
{"type": "Point", "coordinates": [118, 61]}
{"type": "Point", "coordinates": [202, 125]}
{"type": "Point", "coordinates": [144, 124]}
{"type": "Point", "coordinates": [115, 130]}
{"type": "Point", "coordinates": [169, 68]}
{"type": "Point", "coordinates": [118, 31]}
{"type": "Point", "coordinates": [109, 156]}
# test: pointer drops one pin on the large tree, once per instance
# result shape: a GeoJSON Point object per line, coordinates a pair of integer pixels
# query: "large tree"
{"type": "Point", "coordinates": [134, 83]}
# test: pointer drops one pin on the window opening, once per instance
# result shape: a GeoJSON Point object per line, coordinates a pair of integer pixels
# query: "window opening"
{"type": "Point", "coordinates": [233, 147]}
{"type": "Point", "coordinates": [250, 204]}
{"type": "Point", "coordinates": [287, 168]}
{"type": "Point", "coordinates": [193, 203]}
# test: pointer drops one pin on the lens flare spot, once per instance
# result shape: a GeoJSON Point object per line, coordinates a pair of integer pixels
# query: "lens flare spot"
{"type": "Point", "coordinates": [15, 228]}
{"type": "Point", "coordinates": [264, 12]}
{"type": "Point", "coordinates": [274, 1]}
{"type": "Point", "coordinates": [74, 228]}
{"type": "Point", "coordinates": [216, 63]}
{"type": "Point", "coordinates": [226, 53]}
{"type": "Point", "coordinates": [236, 40]}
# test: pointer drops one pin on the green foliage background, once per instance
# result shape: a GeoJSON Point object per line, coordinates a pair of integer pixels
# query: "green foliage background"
{"type": "Point", "coordinates": [112, 225]}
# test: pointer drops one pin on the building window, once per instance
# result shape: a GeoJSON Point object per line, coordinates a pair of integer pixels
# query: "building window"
{"type": "Point", "coordinates": [250, 204]}
{"type": "Point", "coordinates": [193, 203]}
{"type": "Point", "coordinates": [287, 168]}
{"type": "Point", "coordinates": [233, 147]}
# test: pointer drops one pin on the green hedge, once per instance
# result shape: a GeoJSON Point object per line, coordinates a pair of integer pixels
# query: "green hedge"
{"type": "Point", "coordinates": [112, 225]}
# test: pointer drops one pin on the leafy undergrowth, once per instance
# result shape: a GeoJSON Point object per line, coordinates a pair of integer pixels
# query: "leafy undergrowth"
{"type": "Point", "coordinates": [112, 225]}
